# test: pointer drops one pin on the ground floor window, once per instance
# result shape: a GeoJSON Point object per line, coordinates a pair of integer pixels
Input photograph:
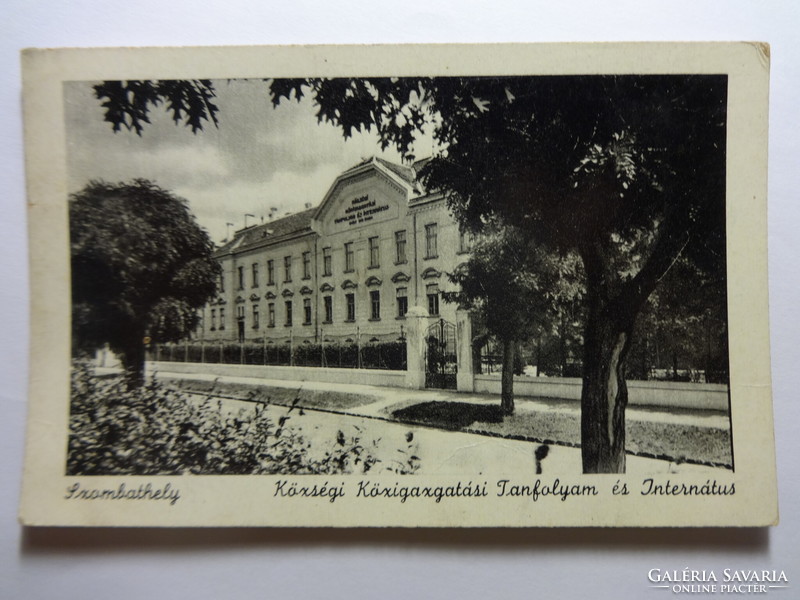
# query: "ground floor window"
{"type": "Point", "coordinates": [375, 303]}
{"type": "Point", "coordinates": [255, 316]}
{"type": "Point", "coordinates": [350, 299]}
{"type": "Point", "coordinates": [402, 304]}
{"type": "Point", "coordinates": [306, 311]}
{"type": "Point", "coordinates": [271, 314]}
{"type": "Point", "coordinates": [433, 299]}
{"type": "Point", "coordinates": [328, 301]}
{"type": "Point", "coordinates": [288, 313]}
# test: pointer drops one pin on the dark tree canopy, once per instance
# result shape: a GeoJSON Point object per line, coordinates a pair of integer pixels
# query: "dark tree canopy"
{"type": "Point", "coordinates": [141, 266]}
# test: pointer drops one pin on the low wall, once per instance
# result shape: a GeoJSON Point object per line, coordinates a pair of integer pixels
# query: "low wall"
{"type": "Point", "coordinates": [321, 374]}
{"type": "Point", "coordinates": [670, 394]}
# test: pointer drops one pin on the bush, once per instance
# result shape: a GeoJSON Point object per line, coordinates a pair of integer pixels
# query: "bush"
{"type": "Point", "coordinates": [157, 431]}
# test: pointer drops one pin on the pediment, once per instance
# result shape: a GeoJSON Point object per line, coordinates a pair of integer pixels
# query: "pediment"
{"type": "Point", "coordinates": [254, 298]}
{"type": "Point", "coordinates": [373, 282]}
{"type": "Point", "coordinates": [287, 293]}
{"type": "Point", "coordinates": [270, 295]}
{"type": "Point", "coordinates": [239, 300]}
{"type": "Point", "coordinates": [400, 277]}
{"type": "Point", "coordinates": [431, 273]}
{"type": "Point", "coordinates": [349, 284]}
{"type": "Point", "coordinates": [305, 290]}
{"type": "Point", "coordinates": [326, 287]}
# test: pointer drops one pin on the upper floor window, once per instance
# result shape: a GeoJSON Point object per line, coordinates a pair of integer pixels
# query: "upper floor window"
{"type": "Point", "coordinates": [287, 269]}
{"type": "Point", "coordinates": [400, 246]}
{"type": "Point", "coordinates": [270, 272]}
{"type": "Point", "coordinates": [349, 257]}
{"type": "Point", "coordinates": [431, 240]}
{"type": "Point", "coordinates": [374, 252]}
{"type": "Point", "coordinates": [306, 265]}
{"type": "Point", "coordinates": [255, 274]}
{"type": "Point", "coordinates": [327, 261]}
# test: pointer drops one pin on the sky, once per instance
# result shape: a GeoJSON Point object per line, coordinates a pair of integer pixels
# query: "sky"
{"type": "Point", "coordinates": [257, 158]}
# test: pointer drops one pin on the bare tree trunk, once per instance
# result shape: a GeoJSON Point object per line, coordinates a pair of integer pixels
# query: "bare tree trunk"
{"type": "Point", "coordinates": [604, 396]}
{"type": "Point", "coordinates": [132, 358]}
{"type": "Point", "coordinates": [507, 378]}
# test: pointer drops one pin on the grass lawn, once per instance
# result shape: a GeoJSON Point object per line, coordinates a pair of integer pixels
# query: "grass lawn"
{"type": "Point", "coordinates": [669, 441]}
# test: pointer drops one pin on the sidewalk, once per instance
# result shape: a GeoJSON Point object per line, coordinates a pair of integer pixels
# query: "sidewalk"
{"type": "Point", "coordinates": [673, 435]}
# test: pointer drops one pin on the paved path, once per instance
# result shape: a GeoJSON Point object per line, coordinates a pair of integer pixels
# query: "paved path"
{"type": "Point", "coordinates": [463, 451]}
{"type": "Point", "coordinates": [389, 396]}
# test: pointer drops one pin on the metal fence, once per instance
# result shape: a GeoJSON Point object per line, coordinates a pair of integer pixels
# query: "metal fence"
{"type": "Point", "coordinates": [376, 355]}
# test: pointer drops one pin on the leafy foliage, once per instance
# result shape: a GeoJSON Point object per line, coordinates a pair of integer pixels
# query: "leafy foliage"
{"type": "Point", "coordinates": [153, 430]}
{"type": "Point", "coordinates": [140, 266]}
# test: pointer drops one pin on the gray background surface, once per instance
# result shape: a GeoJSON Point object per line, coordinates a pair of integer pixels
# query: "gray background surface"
{"type": "Point", "coordinates": [571, 563]}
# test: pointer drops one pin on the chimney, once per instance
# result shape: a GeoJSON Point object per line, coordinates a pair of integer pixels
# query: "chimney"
{"type": "Point", "coordinates": [308, 205]}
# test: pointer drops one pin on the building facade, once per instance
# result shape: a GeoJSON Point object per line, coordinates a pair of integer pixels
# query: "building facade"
{"type": "Point", "coordinates": [346, 270]}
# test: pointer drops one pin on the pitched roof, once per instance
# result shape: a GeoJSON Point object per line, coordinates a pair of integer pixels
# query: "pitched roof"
{"type": "Point", "coordinates": [245, 238]}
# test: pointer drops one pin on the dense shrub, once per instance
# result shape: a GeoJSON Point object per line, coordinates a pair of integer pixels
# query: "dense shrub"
{"type": "Point", "coordinates": [154, 430]}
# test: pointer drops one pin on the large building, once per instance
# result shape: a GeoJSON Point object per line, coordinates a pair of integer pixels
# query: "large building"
{"type": "Point", "coordinates": [375, 246]}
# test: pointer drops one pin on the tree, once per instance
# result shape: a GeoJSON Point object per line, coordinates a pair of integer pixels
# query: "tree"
{"type": "Point", "coordinates": [141, 267]}
{"type": "Point", "coordinates": [513, 286]}
{"type": "Point", "coordinates": [627, 171]}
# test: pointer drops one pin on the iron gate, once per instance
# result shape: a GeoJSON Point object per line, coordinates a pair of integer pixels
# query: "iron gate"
{"type": "Point", "coordinates": [440, 355]}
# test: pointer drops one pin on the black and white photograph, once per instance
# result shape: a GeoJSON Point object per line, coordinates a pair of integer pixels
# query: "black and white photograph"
{"type": "Point", "coordinates": [389, 299]}
{"type": "Point", "coordinates": [334, 275]}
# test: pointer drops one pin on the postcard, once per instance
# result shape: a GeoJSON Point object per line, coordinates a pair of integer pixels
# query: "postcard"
{"type": "Point", "coordinates": [515, 285]}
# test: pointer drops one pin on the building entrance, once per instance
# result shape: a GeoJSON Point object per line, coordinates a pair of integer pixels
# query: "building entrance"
{"type": "Point", "coordinates": [440, 355]}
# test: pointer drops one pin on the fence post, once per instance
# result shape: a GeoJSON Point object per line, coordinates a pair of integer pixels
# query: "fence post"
{"type": "Point", "coordinates": [417, 319]}
{"type": "Point", "coordinates": [465, 378]}
{"type": "Point", "coordinates": [186, 350]}
{"type": "Point", "coordinates": [291, 347]}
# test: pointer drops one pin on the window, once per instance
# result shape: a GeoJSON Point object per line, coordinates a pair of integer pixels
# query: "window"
{"type": "Point", "coordinates": [431, 243]}
{"type": "Point", "coordinates": [375, 304]}
{"type": "Point", "coordinates": [306, 311]}
{"type": "Point", "coordinates": [402, 302]}
{"type": "Point", "coordinates": [433, 299]}
{"type": "Point", "coordinates": [306, 265]}
{"type": "Point", "coordinates": [328, 301]}
{"type": "Point", "coordinates": [255, 316]}
{"type": "Point", "coordinates": [270, 272]}
{"type": "Point", "coordinates": [271, 314]}
{"type": "Point", "coordinates": [221, 282]}
{"type": "Point", "coordinates": [351, 306]}
{"type": "Point", "coordinates": [287, 269]}
{"type": "Point", "coordinates": [213, 319]}
{"type": "Point", "coordinates": [240, 270]}
{"type": "Point", "coordinates": [255, 274]}
{"type": "Point", "coordinates": [400, 245]}
{"type": "Point", "coordinates": [240, 312]}
{"type": "Point", "coordinates": [465, 240]}
{"type": "Point", "coordinates": [288, 313]}
{"type": "Point", "coordinates": [221, 319]}
{"type": "Point", "coordinates": [349, 257]}
{"type": "Point", "coordinates": [327, 261]}
{"type": "Point", "coordinates": [374, 252]}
